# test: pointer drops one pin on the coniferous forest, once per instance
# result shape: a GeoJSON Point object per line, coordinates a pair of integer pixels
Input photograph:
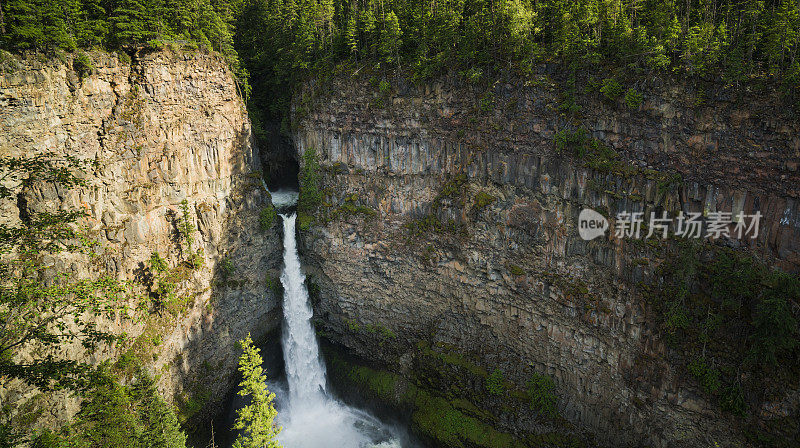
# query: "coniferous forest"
{"type": "Point", "coordinates": [273, 44]}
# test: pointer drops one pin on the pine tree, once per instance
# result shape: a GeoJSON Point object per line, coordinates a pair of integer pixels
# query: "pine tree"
{"type": "Point", "coordinates": [92, 26]}
{"type": "Point", "coordinates": [256, 421]}
{"type": "Point", "coordinates": [24, 28]}
{"type": "Point", "coordinates": [390, 38]}
{"type": "Point", "coordinates": [131, 23]}
{"type": "Point", "coordinates": [160, 425]}
{"type": "Point", "coordinates": [351, 35]}
{"type": "Point", "coordinates": [775, 328]}
{"type": "Point", "coordinates": [106, 417]}
{"type": "Point", "coordinates": [2, 22]}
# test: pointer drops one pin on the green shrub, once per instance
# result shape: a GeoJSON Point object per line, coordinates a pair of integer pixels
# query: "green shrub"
{"type": "Point", "coordinates": [633, 99]}
{"type": "Point", "coordinates": [706, 375]}
{"type": "Point", "coordinates": [226, 268]}
{"type": "Point", "coordinates": [267, 218]}
{"type": "Point", "coordinates": [611, 89]}
{"type": "Point", "coordinates": [186, 231]}
{"type": "Point", "coordinates": [83, 64]}
{"type": "Point", "coordinates": [165, 291]}
{"type": "Point", "coordinates": [732, 400]}
{"type": "Point", "coordinates": [572, 140]}
{"type": "Point", "coordinates": [775, 328]}
{"type": "Point", "coordinates": [119, 415]}
{"type": "Point", "coordinates": [304, 221]}
{"type": "Point", "coordinates": [310, 192]}
{"type": "Point", "coordinates": [483, 200]}
{"type": "Point", "coordinates": [196, 260]}
{"type": "Point", "coordinates": [495, 383]}
{"type": "Point", "coordinates": [157, 263]}
{"type": "Point", "coordinates": [515, 270]}
{"type": "Point", "coordinates": [185, 226]}
{"type": "Point", "coordinates": [541, 394]}
{"type": "Point", "coordinates": [274, 284]}
{"type": "Point", "coordinates": [124, 58]}
{"type": "Point", "coordinates": [352, 325]}
{"type": "Point", "coordinates": [487, 102]}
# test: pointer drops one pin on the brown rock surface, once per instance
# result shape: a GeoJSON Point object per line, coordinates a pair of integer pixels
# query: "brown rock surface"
{"type": "Point", "coordinates": [164, 128]}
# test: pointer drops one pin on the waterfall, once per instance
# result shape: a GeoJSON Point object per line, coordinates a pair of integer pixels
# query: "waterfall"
{"type": "Point", "coordinates": [305, 372]}
{"type": "Point", "coordinates": [309, 416]}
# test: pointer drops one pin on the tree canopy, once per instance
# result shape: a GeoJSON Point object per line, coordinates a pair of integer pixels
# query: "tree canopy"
{"type": "Point", "coordinates": [282, 42]}
{"type": "Point", "coordinates": [48, 26]}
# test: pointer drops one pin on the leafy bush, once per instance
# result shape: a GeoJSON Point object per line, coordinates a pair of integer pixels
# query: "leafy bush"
{"type": "Point", "coordinates": [708, 376]}
{"type": "Point", "coordinates": [165, 292]}
{"type": "Point", "coordinates": [83, 64]}
{"type": "Point", "coordinates": [495, 383]}
{"type": "Point", "coordinates": [541, 394]}
{"type": "Point", "coordinates": [226, 268]}
{"type": "Point", "coordinates": [267, 218]}
{"type": "Point", "coordinates": [572, 140]}
{"type": "Point", "coordinates": [157, 263]}
{"type": "Point", "coordinates": [611, 89]}
{"type": "Point", "coordinates": [119, 415]}
{"type": "Point", "coordinates": [633, 99]}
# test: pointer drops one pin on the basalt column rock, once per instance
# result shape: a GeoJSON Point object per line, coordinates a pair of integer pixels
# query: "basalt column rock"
{"type": "Point", "coordinates": [450, 223]}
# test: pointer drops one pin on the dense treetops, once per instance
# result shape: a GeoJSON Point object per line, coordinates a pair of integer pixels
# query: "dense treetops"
{"type": "Point", "coordinates": [281, 40]}
{"type": "Point", "coordinates": [50, 25]}
{"type": "Point", "coordinates": [70, 24]}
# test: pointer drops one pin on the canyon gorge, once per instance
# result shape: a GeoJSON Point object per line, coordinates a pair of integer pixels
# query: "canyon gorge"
{"type": "Point", "coordinates": [450, 287]}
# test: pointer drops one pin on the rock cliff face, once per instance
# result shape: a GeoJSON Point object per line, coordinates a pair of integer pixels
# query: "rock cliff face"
{"type": "Point", "coordinates": [161, 129]}
{"type": "Point", "coordinates": [452, 224]}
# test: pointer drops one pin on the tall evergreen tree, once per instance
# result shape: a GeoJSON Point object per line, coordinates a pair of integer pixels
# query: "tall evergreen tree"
{"type": "Point", "coordinates": [132, 23]}
{"type": "Point", "coordinates": [256, 421]}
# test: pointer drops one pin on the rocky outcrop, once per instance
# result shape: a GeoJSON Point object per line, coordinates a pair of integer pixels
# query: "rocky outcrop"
{"type": "Point", "coordinates": [450, 221]}
{"type": "Point", "coordinates": [163, 128]}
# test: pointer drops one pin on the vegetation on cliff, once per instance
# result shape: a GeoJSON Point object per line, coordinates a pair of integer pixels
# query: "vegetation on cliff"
{"type": "Point", "coordinates": [45, 306]}
{"type": "Point", "coordinates": [113, 414]}
{"type": "Point", "coordinates": [282, 43]}
{"type": "Point", "coordinates": [257, 419]}
{"type": "Point", "coordinates": [42, 306]}
{"type": "Point", "coordinates": [50, 26]}
{"type": "Point", "coordinates": [446, 403]}
{"type": "Point", "coordinates": [729, 318]}
{"type": "Point", "coordinates": [310, 190]}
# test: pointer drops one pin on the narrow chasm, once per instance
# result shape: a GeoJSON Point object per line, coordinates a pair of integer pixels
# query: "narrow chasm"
{"type": "Point", "coordinates": [313, 410]}
{"type": "Point", "coordinates": [278, 161]}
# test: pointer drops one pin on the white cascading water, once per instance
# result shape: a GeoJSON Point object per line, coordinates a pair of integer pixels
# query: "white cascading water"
{"type": "Point", "coordinates": [304, 371]}
{"type": "Point", "coordinates": [310, 417]}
